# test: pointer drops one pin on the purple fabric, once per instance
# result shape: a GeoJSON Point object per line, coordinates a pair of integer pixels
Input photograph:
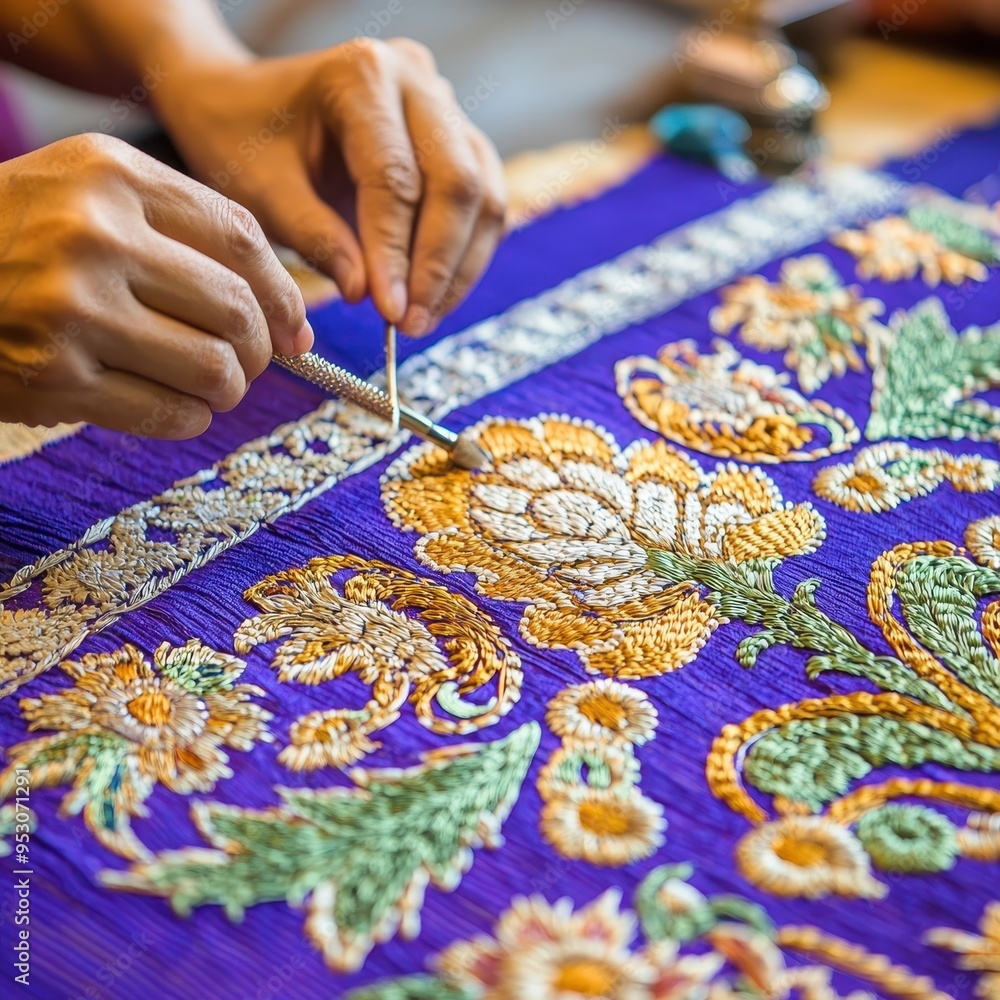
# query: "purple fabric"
{"type": "Point", "coordinates": [13, 140]}
{"type": "Point", "coordinates": [82, 933]}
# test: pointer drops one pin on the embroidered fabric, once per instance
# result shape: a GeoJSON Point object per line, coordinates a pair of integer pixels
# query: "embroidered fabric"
{"type": "Point", "coordinates": [728, 593]}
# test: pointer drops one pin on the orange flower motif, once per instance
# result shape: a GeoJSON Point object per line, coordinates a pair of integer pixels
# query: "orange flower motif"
{"type": "Point", "coordinates": [563, 520]}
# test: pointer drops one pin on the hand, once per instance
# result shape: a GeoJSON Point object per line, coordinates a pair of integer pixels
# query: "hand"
{"type": "Point", "coordinates": [132, 297]}
{"type": "Point", "coordinates": [367, 133]}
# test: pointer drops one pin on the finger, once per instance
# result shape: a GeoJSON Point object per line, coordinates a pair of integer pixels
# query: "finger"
{"type": "Point", "coordinates": [191, 362]}
{"type": "Point", "coordinates": [489, 227]}
{"type": "Point", "coordinates": [172, 279]}
{"type": "Point", "coordinates": [367, 119]}
{"type": "Point", "coordinates": [295, 216]}
{"type": "Point", "coordinates": [453, 194]}
{"type": "Point", "coordinates": [206, 221]}
{"type": "Point", "coordinates": [125, 402]}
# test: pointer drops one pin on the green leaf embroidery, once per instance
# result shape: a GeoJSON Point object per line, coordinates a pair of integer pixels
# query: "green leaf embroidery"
{"type": "Point", "coordinates": [815, 760]}
{"type": "Point", "coordinates": [745, 592]}
{"type": "Point", "coordinates": [955, 233]}
{"type": "Point", "coordinates": [411, 988]}
{"type": "Point", "coordinates": [924, 376]}
{"type": "Point", "coordinates": [360, 859]}
{"type": "Point", "coordinates": [939, 597]}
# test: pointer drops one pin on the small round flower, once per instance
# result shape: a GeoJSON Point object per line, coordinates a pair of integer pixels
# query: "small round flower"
{"type": "Point", "coordinates": [982, 539]}
{"type": "Point", "coordinates": [603, 711]}
{"type": "Point", "coordinates": [544, 951]}
{"type": "Point", "coordinates": [808, 857]}
{"type": "Point", "coordinates": [971, 473]}
{"type": "Point", "coordinates": [335, 738]}
{"type": "Point", "coordinates": [871, 490]}
{"type": "Point", "coordinates": [603, 826]}
{"type": "Point", "coordinates": [904, 838]}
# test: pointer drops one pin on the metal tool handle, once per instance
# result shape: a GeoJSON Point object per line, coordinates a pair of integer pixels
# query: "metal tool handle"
{"type": "Point", "coordinates": [340, 382]}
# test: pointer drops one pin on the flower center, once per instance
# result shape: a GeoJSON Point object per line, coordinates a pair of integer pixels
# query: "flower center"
{"type": "Point", "coordinates": [605, 819]}
{"type": "Point", "coordinates": [151, 708]}
{"type": "Point", "coordinates": [801, 853]}
{"type": "Point", "coordinates": [587, 977]}
{"type": "Point", "coordinates": [603, 711]}
{"type": "Point", "coordinates": [863, 482]}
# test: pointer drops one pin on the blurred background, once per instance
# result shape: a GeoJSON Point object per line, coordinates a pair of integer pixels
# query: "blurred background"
{"type": "Point", "coordinates": [863, 79]}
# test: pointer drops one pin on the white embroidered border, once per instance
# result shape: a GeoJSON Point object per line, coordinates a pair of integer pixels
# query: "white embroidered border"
{"type": "Point", "coordinates": [117, 566]}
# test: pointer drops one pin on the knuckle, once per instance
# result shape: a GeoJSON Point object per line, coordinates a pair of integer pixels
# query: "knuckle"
{"type": "Point", "coordinates": [416, 52]}
{"type": "Point", "coordinates": [437, 271]}
{"type": "Point", "coordinates": [218, 371]}
{"type": "Point", "coordinates": [242, 324]}
{"type": "Point", "coordinates": [394, 170]}
{"type": "Point", "coordinates": [463, 186]}
{"type": "Point", "coordinates": [494, 207]}
{"type": "Point", "coordinates": [242, 232]}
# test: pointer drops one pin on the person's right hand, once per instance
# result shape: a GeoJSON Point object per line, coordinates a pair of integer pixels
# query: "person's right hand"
{"type": "Point", "coordinates": [131, 296]}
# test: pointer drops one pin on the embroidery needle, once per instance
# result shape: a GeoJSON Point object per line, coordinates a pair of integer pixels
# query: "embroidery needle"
{"type": "Point", "coordinates": [464, 452]}
{"type": "Point", "coordinates": [390, 373]}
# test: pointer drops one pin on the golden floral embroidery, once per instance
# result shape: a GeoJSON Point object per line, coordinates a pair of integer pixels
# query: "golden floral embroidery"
{"type": "Point", "coordinates": [603, 711]}
{"type": "Point", "coordinates": [540, 949]}
{"type": "Point", "coordinates": [729, 407]}
{"type": "Point", "coordinates": [555, 952]}
{"type": "Point", "coordinates": [808, 313]}
{"type": "Point", "coordinates": [940, 238]}
{"type": "Point", "coordinates": [939, 702]}
{"type": "Point", "coordinates": [593, 808]}
{"type": "Point", "coordinates": [127, 725]}
{"type": "Point", "coordinates": [883, 476]}
{"type": "Point", "coordinates": [407, 638]}
{"type": "Point", "coordinates": [564, 521]}
{"type": "Point", "coordinates": [980, 837]}
{"type": "Point", "coordinates": [982, 538]}
{"type": "Point", "coordinates": [807, 856]}
{"type": "Point", "coordinates": [977, 953]}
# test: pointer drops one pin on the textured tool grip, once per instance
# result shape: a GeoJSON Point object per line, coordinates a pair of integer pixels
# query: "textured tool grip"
{"type": "Point", "coordinates": [339, 382]}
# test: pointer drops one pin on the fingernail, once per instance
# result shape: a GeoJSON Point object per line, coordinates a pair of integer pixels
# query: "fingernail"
{"type": "Point", "coordinates": [417, 321]}
{"type": "Point", "coordinates": [347, 281]}
{"type": "Point", "coordinates": [397, 300]}
{"type": "Point", "coordinates": [305, 338]}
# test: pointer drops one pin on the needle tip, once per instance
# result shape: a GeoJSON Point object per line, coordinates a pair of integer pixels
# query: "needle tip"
{"type": "Point", "coordinates": [468, 455]}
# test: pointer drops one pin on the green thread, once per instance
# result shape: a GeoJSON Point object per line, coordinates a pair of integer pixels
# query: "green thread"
{"type": "Point", "coordinates": [813, 761]}
{"type": "Point", "coordinates": [911, 839]}
{"type": "Point", "coordinates": [370, 846]}
{"type": "Point", "coordinates": [955, 233]}
{"type": "Point", "coordinates": [745, 592]}
{"type": "Point", "coordinates": [923, 379]}
{"type": "Point", "coordinates": [939, 596]}
{"type": "Point", "coordinates": [197, 668]}
{"type": "Point", "coordinates": [685, 923]}
{"type": "Point", "coordinates": [411, 988]}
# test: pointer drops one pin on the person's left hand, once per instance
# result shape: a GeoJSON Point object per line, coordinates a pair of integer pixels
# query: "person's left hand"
{"type": "Point", "coordinates": [358, 157]}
